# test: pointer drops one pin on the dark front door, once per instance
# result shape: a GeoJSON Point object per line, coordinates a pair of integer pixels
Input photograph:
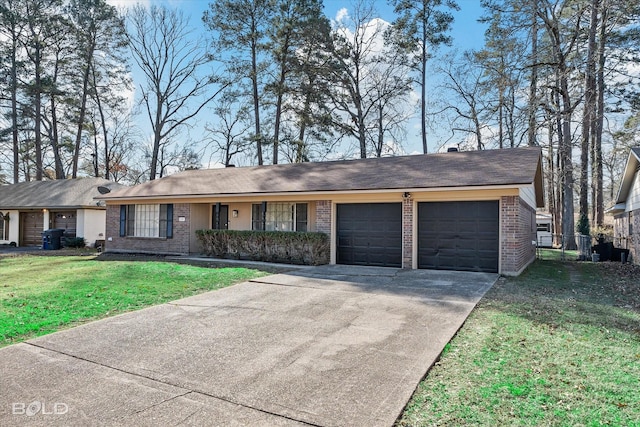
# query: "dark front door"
{"type": "Point", "coordinates": [220, 217]}
{"type": "Point", "coordinates": [459, 236]}
{"type": "Point", "coordinates": [369, 234]}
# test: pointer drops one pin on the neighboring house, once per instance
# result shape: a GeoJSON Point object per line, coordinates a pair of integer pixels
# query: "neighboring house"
{"type": "Point", "coordinates": [456, 211]}
{"type": "Point", "coordinates": [29, 208]}
{"type": "Point", "coordinates": [544, 223]}
{"type": "Point", "coordinates": [626, 212]}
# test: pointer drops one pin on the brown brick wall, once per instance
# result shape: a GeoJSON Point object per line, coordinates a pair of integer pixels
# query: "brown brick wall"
{"type": "Point", "coordinates": [323, 216]}
{"type": "Point", "coordinates": [626, 233]}
{"type": "Point", "coordinates": [407, 233]}
{"type": "Point", "coordinates": [518, 231]}
{"type": "Point", "coordinates": [179, 244]}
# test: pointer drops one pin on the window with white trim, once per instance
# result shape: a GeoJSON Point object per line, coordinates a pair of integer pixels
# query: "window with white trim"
{"type": "Point", "coordinates": [4, 227]}
{"type": "Point", "coordinates": [279, 217]}
{"type": "Point", "coordinates": [148, 220]}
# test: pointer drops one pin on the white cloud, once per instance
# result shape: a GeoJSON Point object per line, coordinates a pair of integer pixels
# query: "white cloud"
{"type": "Point", "coordinates": [341, 15]}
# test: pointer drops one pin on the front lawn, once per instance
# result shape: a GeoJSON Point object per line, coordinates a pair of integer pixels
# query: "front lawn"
{"type": "Point", "coordinates": [559, 345]}
{"type": "Point", "coordinates": [43, 294]}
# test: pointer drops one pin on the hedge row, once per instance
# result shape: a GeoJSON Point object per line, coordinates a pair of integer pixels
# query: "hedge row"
{"type": "Point", "coordinates": [269, 246]}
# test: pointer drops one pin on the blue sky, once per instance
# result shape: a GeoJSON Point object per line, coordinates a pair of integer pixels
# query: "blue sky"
{"type": "Point", "coordinates": [467, 34]}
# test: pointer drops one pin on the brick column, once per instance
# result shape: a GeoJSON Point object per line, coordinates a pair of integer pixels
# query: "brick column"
{"type": "Point", "coordinates": [407, 233]}
{"type": "Point", "coordinates": [323, 216]}
{"type": "Point", "coordinates": [518, 232]}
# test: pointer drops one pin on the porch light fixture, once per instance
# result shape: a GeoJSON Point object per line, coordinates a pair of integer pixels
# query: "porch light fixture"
{"type": "Point", "coordinates": [406, 195]}
{"type": "Point", "coordinates": [234, 213]}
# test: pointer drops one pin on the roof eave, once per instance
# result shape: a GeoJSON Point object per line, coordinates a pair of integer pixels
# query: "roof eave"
{"type": "Point", "coordinates": [517, 185]}
{"type": "Point", "coordinates": [630, 169]}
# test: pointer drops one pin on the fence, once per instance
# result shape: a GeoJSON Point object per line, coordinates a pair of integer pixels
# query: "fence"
{"type": "Point", "coordinates": [581, 243]}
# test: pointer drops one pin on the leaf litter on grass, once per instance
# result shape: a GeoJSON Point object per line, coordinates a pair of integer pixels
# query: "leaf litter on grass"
{"type": "Point", "coordinates": [540, 349]}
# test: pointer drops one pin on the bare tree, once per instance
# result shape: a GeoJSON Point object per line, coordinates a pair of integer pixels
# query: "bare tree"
{"type": "Point", "coordinates": [369, 77]}
{"type": "Point", "coordinates": [177, 87]}
{"type": "Point", "coordinates": [463, 79]}
{"type": "Point", "coordinates": [228, 135]}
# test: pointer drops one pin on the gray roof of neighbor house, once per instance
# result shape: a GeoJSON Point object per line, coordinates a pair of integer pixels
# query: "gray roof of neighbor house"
{"type": "Point", "coordinates": [512, 166]}
{"type": "Point", "coordinates": [62, 193]}
{"type": "Point", "coordinates": [633, 163]}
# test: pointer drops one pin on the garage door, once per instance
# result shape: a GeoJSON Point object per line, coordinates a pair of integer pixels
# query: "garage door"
{"type": "Point", "coordinates": [459, 236]}
{"type": "Point", "coordinates": [65, 221]}
{"type": "Point", "coordinates": [369, 234]}
{"type": "Point", "coordinates": [31, 228]}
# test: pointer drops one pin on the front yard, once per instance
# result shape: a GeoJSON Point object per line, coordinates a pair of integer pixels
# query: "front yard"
{"type": "Point", "coordinates": [559, 345]}
{"type": "Point", "coordinates": [43, 294]}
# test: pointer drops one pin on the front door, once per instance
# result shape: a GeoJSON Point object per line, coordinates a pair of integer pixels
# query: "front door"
{"type": "Point", "coordinates": [220, 217]}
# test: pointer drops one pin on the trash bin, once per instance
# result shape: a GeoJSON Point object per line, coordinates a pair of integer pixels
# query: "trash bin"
{"type": "Point", "coordinates": [52, 239]}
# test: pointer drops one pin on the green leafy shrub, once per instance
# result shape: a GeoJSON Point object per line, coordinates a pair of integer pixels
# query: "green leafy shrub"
{"type": "Point", "coordinates": [269, 246]}
{"type": "Point", "coordinates": [74, 242]}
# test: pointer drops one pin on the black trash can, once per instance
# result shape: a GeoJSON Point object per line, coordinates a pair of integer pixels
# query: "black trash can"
{"type": "Point", "coordinates": [52, 239]}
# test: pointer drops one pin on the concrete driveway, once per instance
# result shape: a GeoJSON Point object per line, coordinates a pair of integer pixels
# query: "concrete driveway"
{"type": "Point", "coordinates": [327, 346]}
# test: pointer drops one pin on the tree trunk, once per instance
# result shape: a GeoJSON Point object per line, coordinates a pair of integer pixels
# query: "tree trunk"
{"type": "Point", "coordinates": [533, 85]}
{"type": "Point", "coordinates": [568, 224]}
{"type": "Point", "coordinates": [37, 114]}
{"type": "Point", "coordinates": [256, 99]}
{"type": "Point", "coordinates": [82, 113]}
{"type": "Point", "coordinates": [157, 137]}
{"type": "Point", "coordinates": [103, 125]}
{"type": "Point", "coordinates": [423, 89]}
{"type": "Point", "coordinates": [599, 119]}
{"type": "Point", "coordinates": [55, 145]}
{"type": "Point", "coordinates": [500, 120]}
{"type": "Point", "coordinates": [14, 104]}
{"type": "Point", "coordinates": [588, 111]}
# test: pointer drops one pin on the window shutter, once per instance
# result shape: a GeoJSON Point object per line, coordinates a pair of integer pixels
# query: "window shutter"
{"type": "Point", "coordinates": [123, 220]}
{"type": "Point", "coordinates": [170, 221]}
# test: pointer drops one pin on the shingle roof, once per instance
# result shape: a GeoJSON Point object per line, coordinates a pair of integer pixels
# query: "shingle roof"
{"type": "Point", "coordinates": [63, 193]}
{"type": "Point", "coordinates": [457, 169]}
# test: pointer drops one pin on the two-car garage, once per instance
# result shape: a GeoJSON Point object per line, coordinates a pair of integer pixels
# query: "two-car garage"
{"type": "Point", "coordinates": [451, 235]}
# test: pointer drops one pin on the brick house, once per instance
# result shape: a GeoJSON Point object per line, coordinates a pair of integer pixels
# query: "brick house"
{"type": "Point", "coordinates": [471, 211]}
{"type": "Point", "coordinates": [626, 212]}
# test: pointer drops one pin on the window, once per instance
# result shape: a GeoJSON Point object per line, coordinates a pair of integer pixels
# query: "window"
{"type": "Point", "coordinates": [544, 227]}
{"type": "Point", "coordinates": [279, 216]}
{"type": "Point", "coordinates": [146, 220]}
{"type": "Point", "coordinates": [4, 226]}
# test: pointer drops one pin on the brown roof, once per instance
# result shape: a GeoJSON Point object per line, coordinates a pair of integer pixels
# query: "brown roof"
{"type": "Point", "coordinates": [62, 193]}
{"type": "Point", "coordinates": [457, 169]}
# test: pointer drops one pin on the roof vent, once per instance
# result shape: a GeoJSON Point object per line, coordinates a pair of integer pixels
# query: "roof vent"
{"type": "Point", "coordinates": [104, 190]}
{"type": "Point", "coordinates": [230, 166]}
{"type": "Point", "coordinates": [452, 150]}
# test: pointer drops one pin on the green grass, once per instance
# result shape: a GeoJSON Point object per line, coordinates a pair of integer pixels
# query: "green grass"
{"type": "Point", "coordinates": [555, 346]}
{"type": "Point", "coordinates": [43, 294]}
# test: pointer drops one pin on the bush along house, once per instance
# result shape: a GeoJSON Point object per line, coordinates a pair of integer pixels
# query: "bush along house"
{"type": "Point", "coordinates": [469, 211]}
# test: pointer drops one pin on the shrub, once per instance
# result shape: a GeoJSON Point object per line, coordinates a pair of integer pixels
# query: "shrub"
{"type": "Point", "coordinates": [74, 242]}
{"type": "Point", "coordinates": [269, 246]}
